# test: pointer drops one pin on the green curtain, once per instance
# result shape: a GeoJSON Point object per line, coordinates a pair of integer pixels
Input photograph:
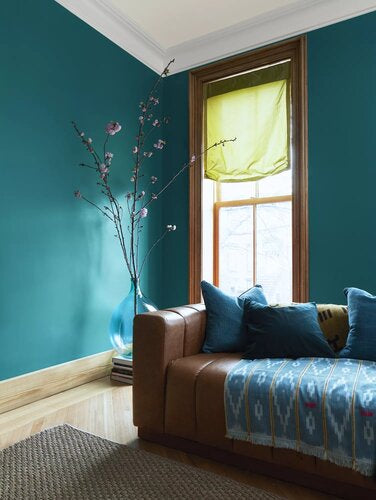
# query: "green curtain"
{"type": "Point", "coordinates": [254, 108]}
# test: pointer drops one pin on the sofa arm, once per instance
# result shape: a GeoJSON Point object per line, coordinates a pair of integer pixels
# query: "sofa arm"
{"type": "Point", "coordinates": [159, 338]}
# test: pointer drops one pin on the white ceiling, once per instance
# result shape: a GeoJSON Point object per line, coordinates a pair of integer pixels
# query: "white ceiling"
{"type": "Point", "coordinates": [195, 32]}
{"type": "Point", "coordinates": [172, 22]}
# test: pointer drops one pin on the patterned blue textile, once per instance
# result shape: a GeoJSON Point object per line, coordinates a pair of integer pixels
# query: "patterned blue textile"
{"type": "Point", "coordinates": [318, 406]}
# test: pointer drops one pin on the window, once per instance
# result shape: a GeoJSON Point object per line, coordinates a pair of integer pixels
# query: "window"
{"type": "Point", "coordinates": [254, 231]}
{"type": "Point", "coordinates": [251, 235]}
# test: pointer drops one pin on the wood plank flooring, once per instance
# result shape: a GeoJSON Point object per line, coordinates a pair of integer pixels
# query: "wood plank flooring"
{"type": "Point", "coordinates": [104, 408]}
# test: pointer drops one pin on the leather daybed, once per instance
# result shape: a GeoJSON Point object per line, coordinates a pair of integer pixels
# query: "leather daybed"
{"type": "Point", "coordinates": [178, 400]}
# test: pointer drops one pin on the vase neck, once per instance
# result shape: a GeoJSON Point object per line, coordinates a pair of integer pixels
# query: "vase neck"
{"type": "Point", "coordinates": [135, 286]}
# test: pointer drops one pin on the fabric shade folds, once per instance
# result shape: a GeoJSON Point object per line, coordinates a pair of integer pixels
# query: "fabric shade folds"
{"type": "Point", "coordinates": [255, 108]}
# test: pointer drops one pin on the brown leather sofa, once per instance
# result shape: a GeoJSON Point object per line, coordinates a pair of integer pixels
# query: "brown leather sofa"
{"type": "Point", "coordinates": [178, 401]}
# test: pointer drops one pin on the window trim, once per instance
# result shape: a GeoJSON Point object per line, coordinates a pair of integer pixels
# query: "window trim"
{"type": "Point", "coordinates": [295, 50]}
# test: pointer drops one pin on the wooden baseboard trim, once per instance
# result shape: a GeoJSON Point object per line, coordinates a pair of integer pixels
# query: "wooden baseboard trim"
{"type": "Point", "coordinates": [25, 389]}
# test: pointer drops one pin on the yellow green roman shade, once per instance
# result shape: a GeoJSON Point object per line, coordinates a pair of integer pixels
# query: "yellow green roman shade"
{"type": "Point", "coordinates": [255, 108]}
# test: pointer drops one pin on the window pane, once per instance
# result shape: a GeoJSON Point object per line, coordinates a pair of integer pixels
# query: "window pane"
{"type": "Point", "coordinates": [237, 190]}
{"type": "Point", "coordinates": [236, 249]}
{"type": "Point", "coordinates": [276, 185]}
{"type": "Point", "coordinates": [207, 229]}
{"type": "Point", "coordinates": [274, 251]}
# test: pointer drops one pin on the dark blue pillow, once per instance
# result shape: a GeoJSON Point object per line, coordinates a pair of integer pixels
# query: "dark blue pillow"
{"type": "Point", "coordinates": [284, 332]}
{"type": "Point", "coordinates": [225, 331]}
{"type": "Point", "coordinates": [361, 340]}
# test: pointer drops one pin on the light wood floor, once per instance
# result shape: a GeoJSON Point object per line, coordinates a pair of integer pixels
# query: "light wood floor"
{"type": "Point", "coordinates": [104, 408]}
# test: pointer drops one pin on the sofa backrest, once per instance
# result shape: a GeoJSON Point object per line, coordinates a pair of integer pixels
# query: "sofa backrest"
{"type": "Point", "coordinates": [334, 323]}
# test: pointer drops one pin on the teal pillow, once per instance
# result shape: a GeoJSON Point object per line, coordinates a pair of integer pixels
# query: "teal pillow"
{"type": "Point", "coordinates": [284, 332]}
{"type": "Point", "coordinates": [361, 340]}
{"type": "Point", "coordinates": [225, 331]}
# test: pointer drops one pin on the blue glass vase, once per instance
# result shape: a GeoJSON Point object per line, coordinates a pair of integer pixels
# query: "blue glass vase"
{"type": "Point", "coordinates": [121, 323]}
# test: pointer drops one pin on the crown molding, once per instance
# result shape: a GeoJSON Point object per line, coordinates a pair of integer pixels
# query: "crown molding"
{"type": "Point", "coordinates": [300, 17]}
{"type": "Point", "coordinates": [280, 24]}
{"type": "Point", "coordinates": [116, 27]}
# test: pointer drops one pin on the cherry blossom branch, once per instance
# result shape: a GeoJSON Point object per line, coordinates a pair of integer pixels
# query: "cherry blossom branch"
{"type": "Point", "coordinates": [136, 203]}
{"type": "Point", "coordinates": [88, 143]}
{"type": "Point", "coordinates": [137, 151]}
{"type": "Point", "coordinates": [103, 169]}
{"type": "Point", "coordinates": [183, 168]}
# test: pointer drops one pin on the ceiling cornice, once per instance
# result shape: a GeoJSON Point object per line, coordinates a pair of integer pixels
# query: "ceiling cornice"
{"type": "Point", "coordinates": [119, 29]}
{"type": "Point", "coordinates": [280, 24]}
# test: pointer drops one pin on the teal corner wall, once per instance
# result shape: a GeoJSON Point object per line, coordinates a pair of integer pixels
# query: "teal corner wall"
{"type": "Point", "coordinates": [61, 268]}
{"type": "Point", "coordinates": [342, 166]}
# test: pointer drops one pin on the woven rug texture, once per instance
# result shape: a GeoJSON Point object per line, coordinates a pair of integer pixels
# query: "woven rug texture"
{"type": "Point", "coordinates": [66, 463]}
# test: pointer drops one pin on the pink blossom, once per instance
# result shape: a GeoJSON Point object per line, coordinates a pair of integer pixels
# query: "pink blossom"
{"type": "Point", "coordinates": [153, 179]}
{"type": "Point", "coordinates": [153, 196]}
{"type": "Point", "coordinates": [104, 168]}
{"type": "Point", "coordinates": [160, 144]}
{"type": "Point", "coordinates": [141, 118]}
{"type": "Point", "coordinates": [82, 134]}
{"type": "Point", "coordinates": [193, 158]}
{"type": "Point", "coordinates": [112, 128]}
{"type": "Point", "coordinates": [89, 140]}
{"type": "Point", "coordinates": [133, 178]}
{"type": "Point", "coordinates": [109, 155]}
{"type": "Point", "coordinates": [135, 149]}
{"type": "Point", "coordinates": [154, 100]}
{"type": "Point", "coordinates": [143, 212]}
{"type": "Point", "coordinates": [77, 194]}
{"type": "Point", "coordinates": [171, 227]}
{"type": "Point", "coordinates": [156, 123]}
{"type": "Point", "coordinates": [148, 154]}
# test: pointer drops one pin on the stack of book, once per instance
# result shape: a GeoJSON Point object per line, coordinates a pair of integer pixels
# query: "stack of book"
{"type": "Point", "coordinates": [122, 369]}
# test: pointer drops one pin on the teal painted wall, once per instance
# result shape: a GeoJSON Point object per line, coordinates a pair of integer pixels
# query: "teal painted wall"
{"type": "Point", "coordinates": [61, 270]}
{"type": "Point", "coordinates": [176, 200]}
{"type": "Point", "coordinates": [342, 166]}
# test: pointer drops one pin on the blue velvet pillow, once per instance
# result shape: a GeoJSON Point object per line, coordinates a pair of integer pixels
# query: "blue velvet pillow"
{"type": "Point", "coordinates": [225, 331]}
{"type": "Point", "coordinates": [284, 332]}
{"type": "Point", "coordinates": [361, 340]}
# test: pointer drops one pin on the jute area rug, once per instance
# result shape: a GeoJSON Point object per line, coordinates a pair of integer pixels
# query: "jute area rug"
{"type": "Point", "coordinates": [65, 463]}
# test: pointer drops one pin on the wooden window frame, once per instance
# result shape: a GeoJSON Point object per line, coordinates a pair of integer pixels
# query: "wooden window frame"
{"type": "Point", "coordinates": [295, 50]}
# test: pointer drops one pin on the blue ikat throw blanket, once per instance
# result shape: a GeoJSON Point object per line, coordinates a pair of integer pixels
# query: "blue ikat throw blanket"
{"type": "Point", "coordinates": [318, 406]}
